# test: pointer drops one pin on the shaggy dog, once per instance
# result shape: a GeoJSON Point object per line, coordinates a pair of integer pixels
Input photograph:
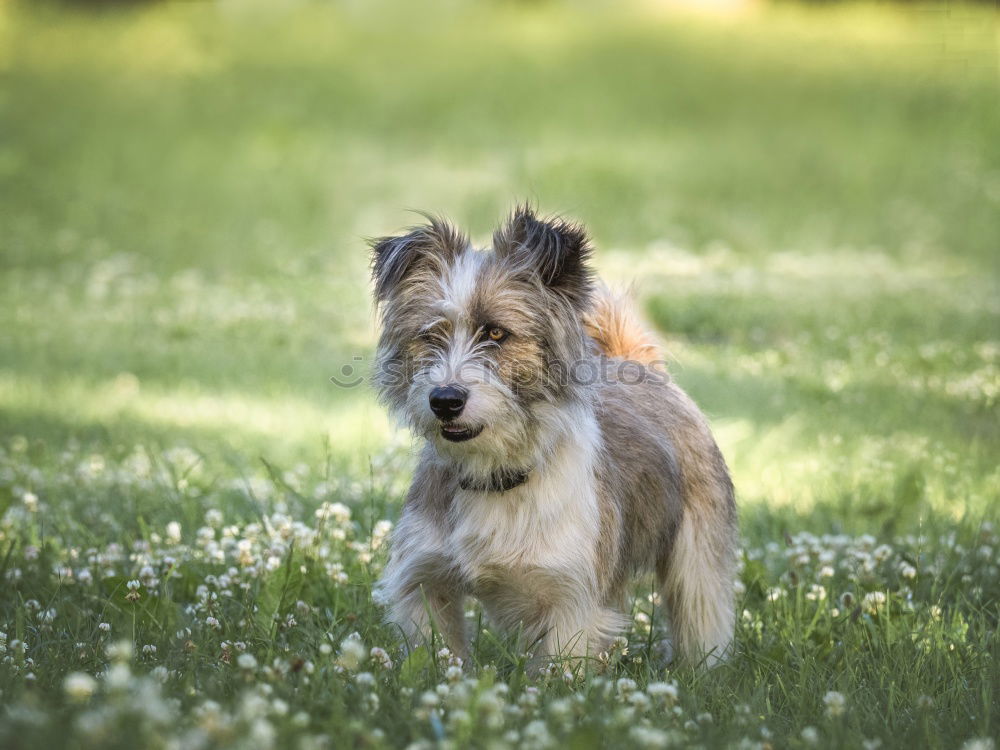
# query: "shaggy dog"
{"type": "Point", "coordinates": [559, 461]}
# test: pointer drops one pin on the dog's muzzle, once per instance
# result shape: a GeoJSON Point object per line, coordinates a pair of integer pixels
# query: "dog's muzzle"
{"type": "Point", "coordinates": [447, 403]}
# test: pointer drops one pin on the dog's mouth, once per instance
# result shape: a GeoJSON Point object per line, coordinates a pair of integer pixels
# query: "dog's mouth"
{"type": "Point", "coordinates": [457, 433]}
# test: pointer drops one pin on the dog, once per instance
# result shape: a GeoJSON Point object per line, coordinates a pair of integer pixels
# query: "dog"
{"type": "Point", "coordinates": [558, 460]}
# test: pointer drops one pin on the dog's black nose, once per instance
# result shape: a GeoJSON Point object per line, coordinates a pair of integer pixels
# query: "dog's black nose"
{"type": "Point", "coordinates": [447, 401]}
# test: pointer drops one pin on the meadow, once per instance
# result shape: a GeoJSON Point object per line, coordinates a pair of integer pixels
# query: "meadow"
{"type": "Point", "coordinates": [192, 510]}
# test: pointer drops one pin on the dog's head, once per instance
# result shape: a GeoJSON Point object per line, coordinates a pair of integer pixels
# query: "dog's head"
{"type": "Point", "coordinates": [477, 347]}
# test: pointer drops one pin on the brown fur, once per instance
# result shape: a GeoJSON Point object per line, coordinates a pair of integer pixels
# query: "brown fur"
{"type": "Point", "coordinates": [614, 325]}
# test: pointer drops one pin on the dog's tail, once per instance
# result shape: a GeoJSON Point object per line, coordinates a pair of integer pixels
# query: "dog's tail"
{"type": "Point", "coordinates": [615, 327]}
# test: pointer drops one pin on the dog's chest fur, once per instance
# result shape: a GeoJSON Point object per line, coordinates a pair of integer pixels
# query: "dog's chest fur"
{"type": "Point", "coordinates": [538, 536]}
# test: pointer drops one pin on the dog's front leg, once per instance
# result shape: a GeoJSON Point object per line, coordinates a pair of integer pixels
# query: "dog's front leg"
{"type": "Point", "coordinates": [423, 594]}
{"type": "Point", "coordinates": [578, 627]}
{"type": "Point", "coordinates": [421, 587]}
{"type": "Point", "coordinates": [428, 608]}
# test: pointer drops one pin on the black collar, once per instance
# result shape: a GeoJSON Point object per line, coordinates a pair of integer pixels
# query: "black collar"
{"type": "Point", "coordinates": [499, 481]}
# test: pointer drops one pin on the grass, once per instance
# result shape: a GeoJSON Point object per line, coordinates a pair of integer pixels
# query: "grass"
{"type": "Point", "coordinates": [808, 198]}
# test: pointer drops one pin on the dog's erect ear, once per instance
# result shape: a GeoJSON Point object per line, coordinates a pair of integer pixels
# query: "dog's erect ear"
{"type": "Point", "coordinates": [557, 250]}
{"type": "Point", "coordinates": [395, 258]}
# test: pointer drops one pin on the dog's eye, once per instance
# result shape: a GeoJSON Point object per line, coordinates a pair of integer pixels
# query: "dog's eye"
{"type": "Point", "coordinates": [496, 334]}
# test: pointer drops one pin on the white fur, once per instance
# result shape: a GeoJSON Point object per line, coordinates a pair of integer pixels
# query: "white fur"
{"type": "Point", "coordinates": [459, 283]}
{"type": "Point", "coordinates": [700, 590]}
{"type": "Point", "coordinates": [545, 529]}
{"type": "Point", "coordinates": [541, 536]}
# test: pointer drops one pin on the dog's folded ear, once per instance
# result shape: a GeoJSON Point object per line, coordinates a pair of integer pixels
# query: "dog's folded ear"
{"type": "Point", "coordinates": [395, 259]}
{"type": "Point", "coordinates": [556, 250]}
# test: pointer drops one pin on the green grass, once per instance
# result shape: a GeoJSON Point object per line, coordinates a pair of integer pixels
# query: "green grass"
{"type": "Point", "coordinates": [807, 197]}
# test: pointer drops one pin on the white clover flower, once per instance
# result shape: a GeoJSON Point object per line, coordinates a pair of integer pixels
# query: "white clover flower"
{"type": "Point", "coordinates": [649, 737]}
{"type": "Point", "coordinates": [213, 623]}
{"type": "Point", "coordinates": [459, 718]}
{"type": "Point", "coordinates": [254, 704]}
{"type": "Point", "coordinates": [213, 517]}
{"type": "Point", "coordinates": [380, 657]}
{"type": "Point", "coordinates": [666, 691]}
{"type": "Point", "coordinates": [246, 662]}
{"type": "Point", "coordinates": [874, 600]}
{"type": "Point", "coordinates": [262, 733]}
{"type": "Point", "coordinates": [326, 649]}
{"type": "Point", "coordinates": [871, 744]}
{"type": "Point", "coordinates": [835, 704]}
{"type": "Point", "coordinates": [79, 686]}
{"type": "Point", "coordinates": [491, 707]}
{"type": "Point", "coordinates": [339, 512]}
{"type": "Point", "coordinates": [174, 532]}
{"type": "Point", "coordinates": [149, 649]}
{"type": "Point", "coordinates": [536, 735]}
{"type": "Point", "coordinates": [529, 698]}
{"type": "Point", "coordinates": [907, 571]}
{"type": "Point", "coordinates": [625, 686]}
{"type": "Point", "coordinates": [979, 743]}
{"type": "Point", "coordinates": [352, 653]}
{"type": "Point", "coordinates": [810, 735]}
{"type": "Point", "coordinates": [30, 500]}
{"type": "Point", "coordinates": [639, 700]}
{"type": "Point", "coordinates": [816, 593]}
{"type": "Point", "coordinates": [119, 651]}
{"type": "Point", "coordinates": [365, 679]}
{"type": "Point", "coordinates": [118, 676]}
{"type": "Point", "coordinates": [380, 532]}
{"type": "Point", "coordinates": [561, 708]}
{"type": "Point", "coordinates": [133, 585]}
{"type": "Point", "coordinates": [826, 571]}
{"type": "Point", "coordinates": [774, 594]}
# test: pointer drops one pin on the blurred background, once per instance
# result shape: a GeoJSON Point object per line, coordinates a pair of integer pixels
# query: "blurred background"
{"type": "Point", "coordinates": [807, 196]}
